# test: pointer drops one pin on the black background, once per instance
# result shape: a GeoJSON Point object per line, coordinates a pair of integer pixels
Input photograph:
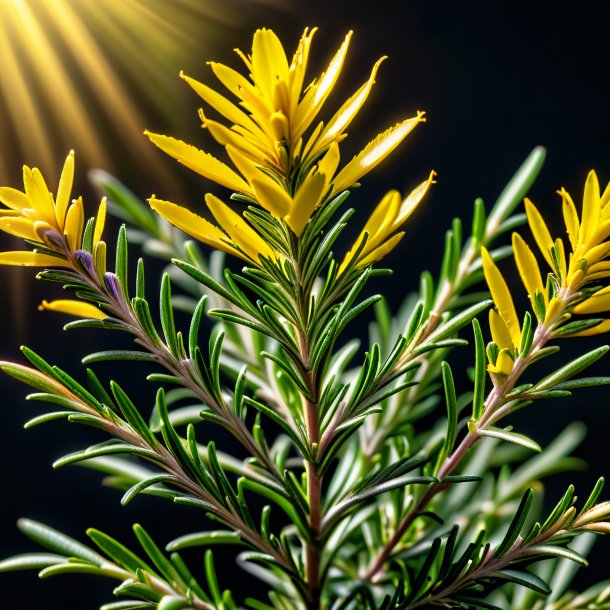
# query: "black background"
{"type": "Point", "coordinates": [495, 79]}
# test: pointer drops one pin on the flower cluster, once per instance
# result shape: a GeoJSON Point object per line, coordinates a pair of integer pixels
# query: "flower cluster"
{"type": "Point", "coordinates": [54, 226]}
{"type": "Point", "coordinates": [570, 286]}
{"type": "Point", "coordinates": [278, 162]}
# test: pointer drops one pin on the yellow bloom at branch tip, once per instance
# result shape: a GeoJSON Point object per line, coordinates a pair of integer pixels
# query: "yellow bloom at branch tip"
{"type": "Point", "coordinates": [501, 297]}
{"type": "Point", "coordinates": [588, 234]}
{"type": "Point", "coordinates": [235, 237]}
{"type": "Point", "coordinates": [380, 231]}
{"type": "Point", "coordinates": [279, 153]}
{"type": "Point", "coordinates": [33, 214]}
{"type": "Point", "coordinates": [74, 308]}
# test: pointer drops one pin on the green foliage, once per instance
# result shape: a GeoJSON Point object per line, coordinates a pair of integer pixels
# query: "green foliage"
{"type": "Point", "coordinates": [373, 479]}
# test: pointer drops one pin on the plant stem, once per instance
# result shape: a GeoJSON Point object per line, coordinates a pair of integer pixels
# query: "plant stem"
{"type": "Point", "coordinates": [495, 400]}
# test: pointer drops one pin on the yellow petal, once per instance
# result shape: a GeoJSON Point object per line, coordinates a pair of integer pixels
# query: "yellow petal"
{"type": "Point", "coordinates": [298, 66]}
{"type": "Point", "coordinates": [225, 136]}
{"type": "Point", "coordinates": [31, 259]}
{"type": "Point", "coordinates": [75, 222]}
{"type": "Point", "coordinates": [201, 162]}
{"type": "Point", "coordinates": [39, 195]}
{"type": "Point", "coordinates": [269, 62]}
{"type": "Point", "coordinates": [570, 216]}
{"type": "Point", "coordinates": [591, 209]}
{"type": "Point", "coordinates": [539, 230]}
{"type": "Point", "coordinates": [320, 90]}
{"type": "Point", "coordinates": [64, 190]}
{"type": "Point", "coordinates": [554, 310]}
{"type": "Point", "coordinates": [499, 331]}
{"type": "Point", "coordinates": [100, 221]}
{"type": "Point", "coordinates": [74, 308]}
{"type": "Point", "coordinates": [602, 327]}
{"type": "Point", "coordinates": [605, 198]}
{"type": "Point", "coordinates": [241, 233]}
{"type": "Point", "coordinates": [244, 163]}
{"type": "Point", "coordinates": [271, 196]}
{"type": "Point", "coordinates": [224, 107]}
{"type": "Point", "coordinates": [382, 221]}
{"type": "Point", "coordinates": [305, 201]}
{"type": "Point", "coordinates": [504, 364]}
{"type": "Point", "coordinates": [241, 87]}
{"type": "Point", "coordinates": [560, 255]}
{"type": "Point", "coordinates": [14, 199]}
{"type": "Point", "coordinates": [193, 225]}
{"type": "Point", "coordinates": [378, 253]}
{"type": "Point", "coordinates": [501, 296]}
{"type": "Point", "coordinates": [347, 259]}
{"type": "Point", "coordinates": [528, 267]}
{"type": "Point", "coordinates": [598, 271]}
{"type": "Point", "coordinates": [374, 152]}
{"type": "Point", "coordinates": [344, 116]}
{"type": "Point", "coordinates": [18, 226]}
{"type": "Point", "coordinates": [413, 199]}
{"type": "Point", "coordinates": [328, 164]}
{"type": "Point", "coordinates": [597, 303]}
{"type": "Point", "coordinates": [597, 253]}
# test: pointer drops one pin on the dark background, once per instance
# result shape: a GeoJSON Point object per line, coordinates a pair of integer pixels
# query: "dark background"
{"type": "Point", "coordinates": [495, 79]}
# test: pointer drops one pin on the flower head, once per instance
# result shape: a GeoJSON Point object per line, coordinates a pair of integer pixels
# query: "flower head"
{"type": "Point", "coordinates": [380, 234]}
{"type": "Point", "coordinates": [56, 224]}
{"type": "Point", "coordinates": [279, 160]}
{"type": "Point", "coordinates": [565, 289]}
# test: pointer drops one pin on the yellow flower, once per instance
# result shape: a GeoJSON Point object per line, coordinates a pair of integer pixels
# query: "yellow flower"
{"type": "Point", "coordinates": [236, 236]}
{"type": "Point", "coordinates": [503, 321]}
{"type": "Point", "coordinates": [55, 223]}
{"type": "Point", "coordinates": [588, 241]}
{"type": "Point", "coordinates": [380, 229]}
{"type": "Point", "coordinates": [277, 163]}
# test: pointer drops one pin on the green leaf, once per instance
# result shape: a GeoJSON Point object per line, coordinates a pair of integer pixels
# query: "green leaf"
{"type": "Point", "coordinates": [212, 580]}
{"type": "Point", "coordinates": [204, 539]}
{"type": "Point", "coordinates": [133, 417]}
{"type": "Point", "coordinates": [557, 551]}
{"type": "Point", "coordinates": [526, 579]}
{"type": "Point", "coordinates": [118, 552]}
{"type": "Point", "coordinates": [341, 508]}
{"type": "Point", "coordinates": [31, 561]}
{"type": "Point", "coordinates": [583, 382]}
{"type": "Point", "coordinates": [207, 280]}
{"type": "Point", "coordinates": [593, 496]}
{"type": "Point", "coordinates": [119, 354]}
{"type": "Point", "coordinates": [195, 325]}
{"type": "Point", "coordinates": [133, 491]}
{"type": "Point", "coordinates": [572, 368]}
{"type": "Point", "coordinates": [480, 372]}
{"type": "Point", "coordinates": [512, 437]}
{"type": "Point", "coordinates": [127, 205]}
{"type": "Point", "coordinates": [56, 541]}
{"type": "Point", "coordinates": [167, 316]}
{"type": "Point", "coordinates": [129, 605]}
{"type": "Point", "coordinates": [455, 322]}
{"type": "Point", "coordinates": [560, 508]}
{"type": "Point", "coordinates": [121, 264]}
{"type": "Point", "coordinates": [172, 602]}
{"type": "Point", "coordinates": [478, 223]}
{"type": "Point", "coordinates": [110, 447]}
{"type": "Point", "coordinates": [163, 565]}
{"type": "Point", "coordinates": [515, 190]}
{"type": "Point", "coordinates": [516, 524]}
{"type": "Point", "coordinates": [452, 411]}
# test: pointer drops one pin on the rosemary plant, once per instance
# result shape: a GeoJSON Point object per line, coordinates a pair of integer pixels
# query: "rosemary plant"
{"type": "Point", "coordinates": [369, 481]}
